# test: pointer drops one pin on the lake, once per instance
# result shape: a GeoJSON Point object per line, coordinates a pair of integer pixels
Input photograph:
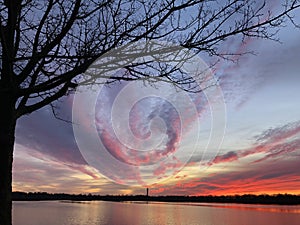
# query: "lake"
{"type": "Point", "coordinates": [151, 213]}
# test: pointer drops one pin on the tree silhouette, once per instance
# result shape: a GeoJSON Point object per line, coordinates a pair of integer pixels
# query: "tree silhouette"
{"type": "Point", "coordinates": [47, 45]}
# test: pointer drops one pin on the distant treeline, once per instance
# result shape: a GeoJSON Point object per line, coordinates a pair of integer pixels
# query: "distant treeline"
{"type": "Point", "coordinates": [282, 199]}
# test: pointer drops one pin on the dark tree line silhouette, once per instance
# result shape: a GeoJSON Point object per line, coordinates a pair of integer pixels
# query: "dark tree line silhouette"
{"type": "Point", "coordinates": [276, 199]}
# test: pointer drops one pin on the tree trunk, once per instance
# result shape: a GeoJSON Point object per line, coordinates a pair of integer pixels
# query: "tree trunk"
{"type": "Point", "coordinates": [7, 139]}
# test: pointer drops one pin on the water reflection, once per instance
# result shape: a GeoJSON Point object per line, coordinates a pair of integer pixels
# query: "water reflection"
{"type": "Point", "coordinates": [268, 208]}
{"type": "Point", "coordinates": [130, 213]}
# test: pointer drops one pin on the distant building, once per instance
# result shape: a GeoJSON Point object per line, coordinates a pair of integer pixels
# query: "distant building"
{"type": "Point", "coordinates": [147, 192]}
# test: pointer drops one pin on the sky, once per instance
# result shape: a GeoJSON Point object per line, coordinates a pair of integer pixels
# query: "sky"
{"type": "Point", "coordinates": [242, 136]}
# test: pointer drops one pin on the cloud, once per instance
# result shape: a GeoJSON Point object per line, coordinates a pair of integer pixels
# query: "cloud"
{"type": "Point", "coordinates": [271, 177]}
{"type": "Point", "coordinates": [276, 171]}
{"type": "Point", "coordinates": [227, 157]}
{"type": "Point", "coordinates": [252, 73]}
{"type": "Point", "coordinates": [33, 171]}
{"type": "Point", "coordinates": [278, 134]}
{"type": "Point", "coordinates": [156, 125]}
{"type": "Point", "coordinates": [283, 149]}
{"type": "Point", "coordinates": [162, 167]}
{"type": "Point", "coordinates": [42, 132]}
{"type": "Point", "coordinates": [42, 136]}
{"type": "Point", "coordinates": [273, 142]}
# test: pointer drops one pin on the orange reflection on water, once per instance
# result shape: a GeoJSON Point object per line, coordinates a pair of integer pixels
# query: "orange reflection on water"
{"type": "Point", "coordinates": [256, 207]}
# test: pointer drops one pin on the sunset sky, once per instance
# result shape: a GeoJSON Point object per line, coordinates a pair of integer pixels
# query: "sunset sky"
{"type": "Point", "coordinates": [259, 153]}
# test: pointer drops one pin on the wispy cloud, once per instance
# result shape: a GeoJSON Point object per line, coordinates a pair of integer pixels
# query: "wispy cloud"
{"type": "Point", "coordinates": [273, 142]}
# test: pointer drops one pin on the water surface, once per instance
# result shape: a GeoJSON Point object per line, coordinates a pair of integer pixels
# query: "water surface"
{"type": "Point", "coordinates": [151, 213]}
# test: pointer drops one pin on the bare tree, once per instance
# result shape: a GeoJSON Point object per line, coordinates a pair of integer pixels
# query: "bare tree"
{"type": "Point", "coordinates": [47, 45]}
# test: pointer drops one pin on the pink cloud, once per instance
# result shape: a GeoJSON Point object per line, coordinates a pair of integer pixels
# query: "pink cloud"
{"type": "Point", "coordinates": [227, 157]}
{"type": "Point", "coordinates": [162, 168]}
{"type": "Point", "coordinates": [273, 142]}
